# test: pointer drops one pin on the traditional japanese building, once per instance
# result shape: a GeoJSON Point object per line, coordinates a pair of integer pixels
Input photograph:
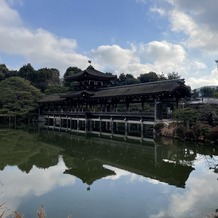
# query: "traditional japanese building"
{"type": "Point", "coordinates": [96, 105]}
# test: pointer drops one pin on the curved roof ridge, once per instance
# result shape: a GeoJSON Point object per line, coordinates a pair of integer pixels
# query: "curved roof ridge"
{"type": "Point", "coordinates": [147, 83]}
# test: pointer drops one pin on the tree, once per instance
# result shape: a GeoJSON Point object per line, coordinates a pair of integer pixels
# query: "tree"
{"type": "Point", "coordinates": [45, 77]}
{"type": "Point", "coordinates": [3, 71]}
{"type": "Point", "coordinates": [195, 94]}
{"type": "Point", "coordinates": [17, 97]}
{"type": "Point", "coordinates": [162, 76]}
{"type": "Point", "coordinates": [40, 78]}
{"type": "Point", "coordinates": [27, 72]}
{"type": "Point", "coordinates": [126, 79]}
{"type": "Point", "coordinates": [173, 75]}
{"type": "Point", "coordinates": [52, 89]}
{"type": "Point", "coordinates": [148, 77]}
{"type": "Point", "coordinates": [71, 71]}
{"type": "Point", "coordinates": [207, 91]}
{"type": "Point", "coordinates": [186, 115]}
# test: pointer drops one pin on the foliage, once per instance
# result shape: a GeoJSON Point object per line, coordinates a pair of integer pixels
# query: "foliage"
{"type": "Point", "coordinates": [71, 71]}
{"type": "Point", "coordinates": [186, 115]}
{"type": "Point", "coordinates": [206, 112]}
{"type": "Point", "coordinates": [148, 77]}
{"type": "Point", "coordinates": [201, 131]}
{"type": "Point", "coordinates": [52, 89]}
{"type": "Point", "coordinates": [189, 135]}
{"type": "Point", "coordinates": [213, 136]}
{"type": "Point", "coordinates": [173, 75]}
{"type": "Point", "coordinates": [195, 94]}
{"type": "Point", "coordinates": [179, 132]}
{"type": "Point", "coordinates": [17, 97]}
{"type": "Point", "coordinates": [40, 78]}
{"type": "Point", "coordinates": [207, 91]}
{"type": "Point", "coordinates": [126, 79]}
{"type": "Point", "coordinates": [158, 126]}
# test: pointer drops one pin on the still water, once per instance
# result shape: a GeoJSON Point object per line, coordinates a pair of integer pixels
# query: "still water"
{"type": "Point", "coordinates": [90, 177]}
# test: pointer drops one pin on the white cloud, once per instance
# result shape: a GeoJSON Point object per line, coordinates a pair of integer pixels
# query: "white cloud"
{"type": "Point", "coordinates": [157, 56]}
{"type": "Point", "coordinates": [193, 201]}
{"type": "Point", "coordinates": [44, 49]}
{"type": "Point", "coordinates": [165, 52]}
{"type": "Point", "coordinates": [8, 16]}
{"type": "Point", "coordinates": [39, 47]}
{"type": "Point", "coordinates": [114, 55]}
{"type": "Point", "coordinates": [159, 11]}
{"type": "Point", "coordinates": [210, 79]}
{"type": "Point", "coordinates": [37, 182]}
{"type": "Point", "coordinates": [199, 35]}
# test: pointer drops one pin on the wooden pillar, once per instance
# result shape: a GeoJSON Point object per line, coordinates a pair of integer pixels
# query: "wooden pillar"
{"type": "Point", "coordinates": [143, 104]}
{"type": "Point", "coordinates": [77, 124]}
{"type": "Point", "coordinates": [112, 126]}
{"type": "Point", "coordinates": [142, 129]}
{"type": "Point", "coordinates": [100, 126]}
{"type": "Point", "coordinates": [67, 123]}
{"type": "Point", "coordinates": [70, 123]}
{"type": "Point", "coordinates": [126, 129]}
{"type": "Point", "coordinates": [86, 124]}
{"type": "Point", "coordinates": [60, 123]}
{"type": "Point", "coordinates": [54, 122]}
{"type": "Point", "coordinates": [157, 110]}
{"type": "Point", "coordinates": [90, 127]}
{"type": "Point", "coordinates": [127, 106]}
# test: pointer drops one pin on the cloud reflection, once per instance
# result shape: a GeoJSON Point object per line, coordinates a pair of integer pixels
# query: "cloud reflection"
{"type": "Point", "coordinates": [132, 176]}
{"type": "Point", "coordinates": [16, 185]}
{"type": "Point", "coordinates": [200, 193]}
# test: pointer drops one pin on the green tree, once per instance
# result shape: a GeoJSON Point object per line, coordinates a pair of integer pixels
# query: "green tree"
{"type": "Point", "coordinates": [207, 91]}
{"type": "Point", "coordinates": [45, 77]}
{"type": "Point", "coordinates": [71, 71]}
{"type": "Point", "coordinates": [127, 79]}
{"type": "Point", "coordinates": [162, 77]}
{"type": "Point", "coordinates": [3, 71]}
{"type": "Point", "coordinates": [17, 97]}
{"type": "Point", "coordinates": [173, 75]}
{"type": "Point", "coordinates": [186, 115]}
{"type": "Point", "coordinates": [27, 72]}
{"type": "Point", "coordinates": [148, 77]}
{"type": "Point", "coordinates": [195, 93]}
{"type": "Point", "coordinates": [52, 89]}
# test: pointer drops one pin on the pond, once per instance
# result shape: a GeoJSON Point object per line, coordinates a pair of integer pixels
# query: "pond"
{"type": "Point", "coordinates": [92, 177]}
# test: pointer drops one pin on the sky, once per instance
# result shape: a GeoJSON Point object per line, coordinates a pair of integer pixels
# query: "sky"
{"type": "Point", "coordinates": [118, 36]}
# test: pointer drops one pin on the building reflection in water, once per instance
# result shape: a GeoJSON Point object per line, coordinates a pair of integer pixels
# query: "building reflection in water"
{"type": "Point", "coordinates": [85, 158]}
{"type": "Point", "coordinates": [163, 160]}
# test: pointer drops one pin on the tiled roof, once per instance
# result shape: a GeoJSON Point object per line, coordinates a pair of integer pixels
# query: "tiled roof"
{"type": "Point", "coordinates": [90, 72]}
{"type": "Point", "coordinates": [168, 87]}
{"type": "Point", "coordinates": [159, 87]}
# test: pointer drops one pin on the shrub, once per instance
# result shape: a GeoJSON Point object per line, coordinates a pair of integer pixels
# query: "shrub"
{"type": "Point", "coordinates": [179, 132]}
{"type": "Point", "coordinates": [158, 126]}
{"type": "Point", "coordinates": [213, 136]}
{"type": "Point", "coordinates": [189, 135]}
{"type": "Point", "coordinates": [201, 131]}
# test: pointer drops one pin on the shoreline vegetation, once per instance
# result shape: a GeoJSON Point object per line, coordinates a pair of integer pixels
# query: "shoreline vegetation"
{"type": "Point", "coordinates": [199, 132]}
{"type": "Point", "coordinates": [15, 214]}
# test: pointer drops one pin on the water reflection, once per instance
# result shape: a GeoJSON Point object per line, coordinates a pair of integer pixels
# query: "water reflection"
{"type": "Point", "coordinates": [86, 157]}
{"type": "Point", "coordinates": [165, 178]}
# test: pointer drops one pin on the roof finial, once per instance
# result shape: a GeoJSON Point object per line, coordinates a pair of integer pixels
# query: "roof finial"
{"type": "Point", "coordinates": [216, 63]}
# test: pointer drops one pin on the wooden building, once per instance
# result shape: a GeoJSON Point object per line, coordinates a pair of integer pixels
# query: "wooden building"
{"type": "Point", "coordinates": [97, 106]}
